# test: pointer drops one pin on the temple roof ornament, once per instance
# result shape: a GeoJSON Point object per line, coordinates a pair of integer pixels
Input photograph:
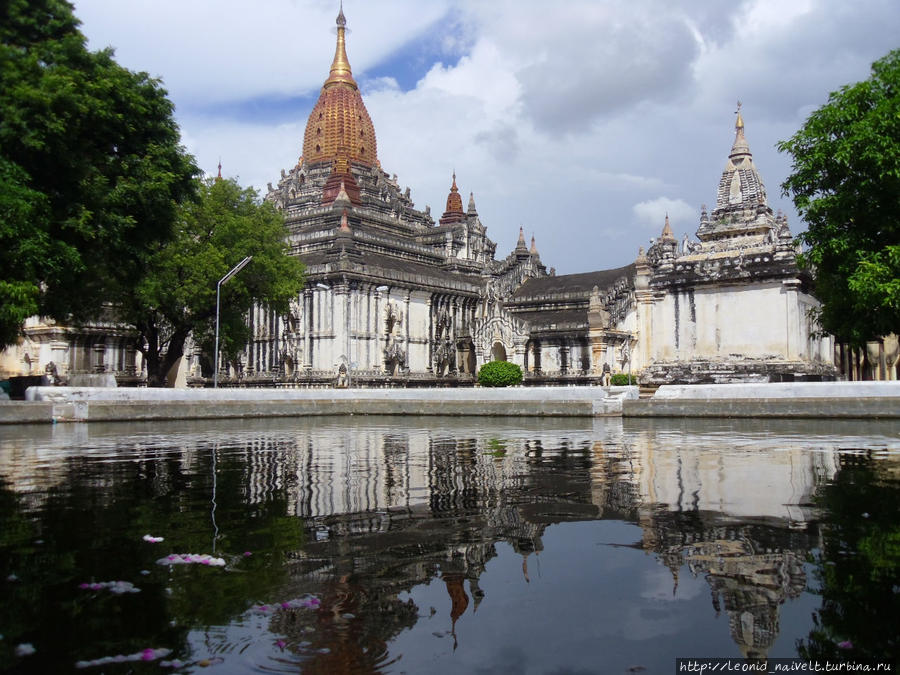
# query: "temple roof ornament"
{"type": "Point", "coordinates": [454, 212]}
{"type": "Point", "coordinates": [533, 249]}
{"type": "Point", "coordinates": [667, 230]}
{"type": "Point", "coordinates": [471, 210]}
{"type": "Point", "coordinates": [339, 127]}
{"type": "Point", "coordinates": [520, 245]}
{"type": "Point", "coordinates": [343, 199]}
{"type": "Point", "coordinates": [742, 208]}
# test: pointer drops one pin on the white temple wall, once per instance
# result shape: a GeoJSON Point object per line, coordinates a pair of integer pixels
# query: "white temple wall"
{"type": "Point", "coordinates": [720, 321]}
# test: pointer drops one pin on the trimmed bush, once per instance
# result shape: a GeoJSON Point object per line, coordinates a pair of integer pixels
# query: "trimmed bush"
{"type": "Point", "coordinates": [499, 374]}
{"type": "Point", "coordinates": [621, 380]}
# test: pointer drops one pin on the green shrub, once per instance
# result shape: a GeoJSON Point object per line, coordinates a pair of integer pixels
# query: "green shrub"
{"type": "Point", "coordinates": [621, 380]}
{"type": "Point", "coordinates": [499, 374]}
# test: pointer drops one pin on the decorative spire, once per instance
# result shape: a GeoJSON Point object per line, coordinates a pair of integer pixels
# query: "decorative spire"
{"type": "Point", "coordinates": [741, 208]}
{"type": "Point", "coordinates": [740, 146]}
{"type": "Point", "coordinates": [454, 212]}
{"type": "Point", "coordinates": [521, 250]}
{"type": "Point", "coordinates": [533, 250]}
{"type": "Point", "coordinates": [339, 127]}
{"type": "Point", "coordinates": [340, 66]}
{"type": "Point", "coordinates": [667, 229]}
{"type": "Point", "coordinates": [219, 176]}
{"type": "Point", "coordinates": [471, 211]}
{"type": "Point", "coordinates": [342, 199]}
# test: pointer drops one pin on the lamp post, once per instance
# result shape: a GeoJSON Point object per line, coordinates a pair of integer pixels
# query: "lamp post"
{"type": "Point", "coordinates": [234, 270]}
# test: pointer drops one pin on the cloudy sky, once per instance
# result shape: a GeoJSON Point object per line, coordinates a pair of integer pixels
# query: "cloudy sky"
{"type": "Point", "coordinates": [582, 121]}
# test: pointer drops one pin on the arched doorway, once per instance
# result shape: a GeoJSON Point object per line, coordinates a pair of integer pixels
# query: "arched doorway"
{"type": "Point", "coordinates": [498, 352]}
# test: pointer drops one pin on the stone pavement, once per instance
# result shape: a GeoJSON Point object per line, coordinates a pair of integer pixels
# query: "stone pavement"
{"type": "Point", "coordinates": [801, 399]}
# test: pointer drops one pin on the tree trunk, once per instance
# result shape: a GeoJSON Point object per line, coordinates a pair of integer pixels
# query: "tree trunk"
{"type": "Point", "coordinates": [174, 352]}
{"type": "Point", "coordinates": [159, 364]}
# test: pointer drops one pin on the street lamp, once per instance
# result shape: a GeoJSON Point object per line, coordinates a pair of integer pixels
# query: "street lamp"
{"type": "Point", "coordinates": [234, 270]}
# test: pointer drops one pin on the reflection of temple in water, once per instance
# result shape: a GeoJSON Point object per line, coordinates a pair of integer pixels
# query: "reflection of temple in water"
{"type": "Point", "coordinates": [404, 508]}
{"type": "Point", "coordinates": [745, 526]}
{"type": "Point", "coordinates": [388, 506]}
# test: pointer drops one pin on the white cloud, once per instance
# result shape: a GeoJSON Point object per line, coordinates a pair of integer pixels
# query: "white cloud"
{"type": "Point", "coordinates": [652, 213]}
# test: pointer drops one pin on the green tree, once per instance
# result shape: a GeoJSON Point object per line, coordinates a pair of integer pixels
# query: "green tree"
{"type": "Point", "coordinates": [91, 170]}
{"type": "Point", "coordinates": [176, 295]}
{"type": "Point", "coordinates": [845, 183]}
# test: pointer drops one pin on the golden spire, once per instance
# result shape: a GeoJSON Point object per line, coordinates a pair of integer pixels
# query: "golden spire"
{"type": "Point", "coordinates": [339, 127]}
{"type": "Point", "coordinates": [740, 146]}
{"type": "Point", "coordinates": [340, 66]}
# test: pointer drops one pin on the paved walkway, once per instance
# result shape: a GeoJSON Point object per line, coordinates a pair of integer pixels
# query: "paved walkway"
{"type": "Point", "coordinates": [801, 399]}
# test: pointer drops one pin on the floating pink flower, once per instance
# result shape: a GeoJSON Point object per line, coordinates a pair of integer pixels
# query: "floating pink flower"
{"type": "Point", "coordinates": [191, 558]}
{"type": "Point", "coordinates": [149, 654]}
{"type": "Point", "coordinates": [306, 602]}
{"type": "Point", "coordinates": [247, 554]}
{"type": "Point", "coordinates": [152, 539]}
{"type": "Point", "coordinates": [25, 649]}
{"type": "Point", "coordinates": [280, 644]}
{"type": "Point", "coordinates": [174, 663]}
{"type": "Point", "coordinates": [117, 587]}
{"type": "Point", "coordinates": [846, 644]}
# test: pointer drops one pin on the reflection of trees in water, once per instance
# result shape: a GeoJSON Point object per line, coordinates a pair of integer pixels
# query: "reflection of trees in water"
{"type": "Point", "coordinates": [857, 569]}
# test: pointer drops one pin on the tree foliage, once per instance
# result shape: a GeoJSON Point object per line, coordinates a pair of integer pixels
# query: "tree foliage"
{"type": "Point", "coordinates": [91, 169]}
{"type": "Point", "coordinates": [845, 183]}
{"type": "Point", "coordinates": [857, 566]}
{"type": "Point", "coordinates": [176, 295]}
{"type": "Point", "coordinates": [499, 374]}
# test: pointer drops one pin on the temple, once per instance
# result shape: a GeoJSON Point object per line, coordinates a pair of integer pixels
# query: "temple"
{"type": "Point", "coordinates": [395, 297]}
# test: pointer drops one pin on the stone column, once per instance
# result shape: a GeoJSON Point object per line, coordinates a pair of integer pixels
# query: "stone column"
{"type": "Point", "coordinates": [99, 357]}
{"type": "Point", "coordinates": [429, 304]}
{"type": "Point", "coordinates": [406, 298]}
{"type": "Point", "coordinates": [307, 323]}
{"type": "Point", "coordinates": [792, 318]}
{"type": "Point", "coordinates": [454, 357]}
{"type": "Point", "coordinates": [341, 327]}
{"type": "Point", "coordinates": [378, 364]}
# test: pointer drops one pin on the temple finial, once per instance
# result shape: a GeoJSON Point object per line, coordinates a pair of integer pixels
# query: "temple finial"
{"type": "Point", "coordinates": [667, 229]}
{"type": "Point", "coordinates": [340, 66]}
{"type": "Point", "coordinates": [740, 146]}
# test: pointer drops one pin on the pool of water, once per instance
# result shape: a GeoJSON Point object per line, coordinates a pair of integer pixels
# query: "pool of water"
{"type": "Point", "coordinates": [446, 545]}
